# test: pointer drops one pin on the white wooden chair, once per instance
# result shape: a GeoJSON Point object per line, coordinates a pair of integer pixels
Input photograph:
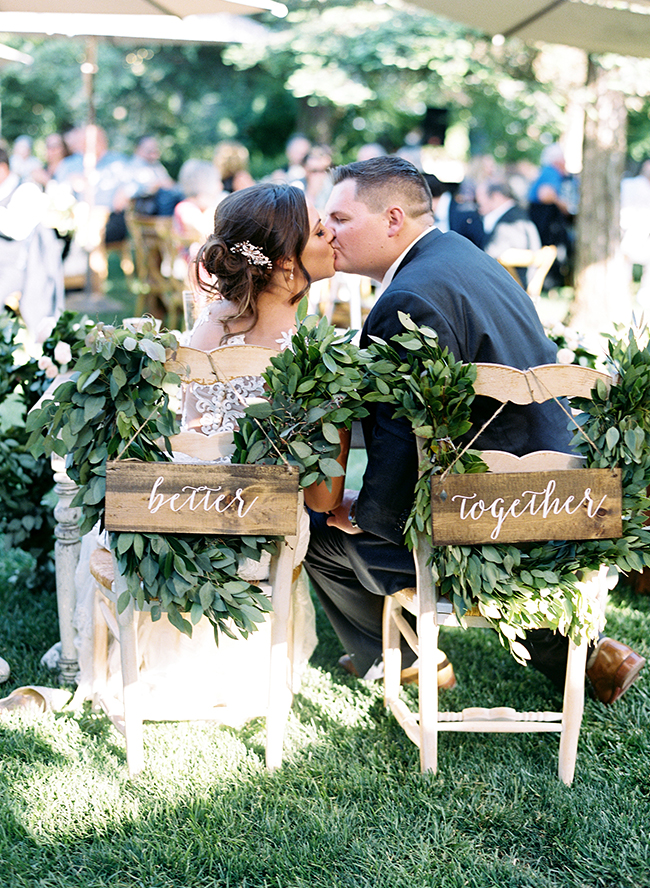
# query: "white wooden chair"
{"type": "Point", "coordinates": [280, 517]}
{"type": "Point", "coordinates": [422, 727]}
{"type": "Point", "coordinates": [538, 263]}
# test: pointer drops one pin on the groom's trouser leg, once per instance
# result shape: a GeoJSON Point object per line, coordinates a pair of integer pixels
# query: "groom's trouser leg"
{"type": "Point", "coordinates": [351, 574]}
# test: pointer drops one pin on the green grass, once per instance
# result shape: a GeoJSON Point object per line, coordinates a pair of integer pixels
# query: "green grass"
{"type": "Point", "coordinates": [347, 808]}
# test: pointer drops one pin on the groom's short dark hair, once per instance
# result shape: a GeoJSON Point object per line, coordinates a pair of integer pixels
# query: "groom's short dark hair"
{"type": "Point", "coordinates": [382, 180]}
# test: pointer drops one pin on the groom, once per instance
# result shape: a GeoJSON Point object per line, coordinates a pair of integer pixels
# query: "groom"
{"type": "Point", "coordinates": [380, 213]}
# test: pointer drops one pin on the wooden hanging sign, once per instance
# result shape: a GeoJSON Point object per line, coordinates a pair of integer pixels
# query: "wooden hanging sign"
{"type": "Point", "coordinates": [158, 497]}
{"type": "Point", "coordinates": [512, 507]}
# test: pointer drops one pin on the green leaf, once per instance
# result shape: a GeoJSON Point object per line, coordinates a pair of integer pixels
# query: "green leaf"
{"type": "Point", "coordinates": [153, 350]}
{"type": "Point", "coordinates": [261, 410]}
{"type": "Point", "coordinates": [329, 362]}
{"type": "Point", "coordinates": [331, 433]}
{"type": "Point", "coordinates": [300, 449]}
{"type": "Point", "coordinates": [196, 612]}
{"type": "Point", "coordinates": [123, 601]}
{"type": "Point", "coordinates": [331, 468]}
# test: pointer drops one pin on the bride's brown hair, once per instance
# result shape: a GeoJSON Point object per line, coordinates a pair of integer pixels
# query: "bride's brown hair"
{"type": "Point", "coordinates": [271, 219]}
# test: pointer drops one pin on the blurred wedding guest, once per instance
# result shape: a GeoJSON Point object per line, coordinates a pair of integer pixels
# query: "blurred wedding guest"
{"type": "Point", "coordinates": [506, 225]}
{"type": "Point", "coordinates": [22, 161]}
{"type": "Point", "coordinates": [231, 160]}
{"type": "Point", "coordinates": [148, 183]}
{"type": "Point", "coordinates": [107, 176]}
{"type": "Point", "coordinates": [297, 150]}
{"type": "Point", "coordinates": [552, 206]}
{"type": "Point", "coordinates": [454, 212]}
{"type": "Point", "coordinates": [370, 150]}
{"type": "Point", "coordinates": [318, 183]}
{"type": "Point", "coordinates": [56, 151]}
{"type": "Point", "coordinates": [635, 228]}
{"type": "Point", "coordinates": [200, 183]}
{"type": "Point", "coordinates": [97, 178]}
{"type": "Point", "coordinates": [31, 270]}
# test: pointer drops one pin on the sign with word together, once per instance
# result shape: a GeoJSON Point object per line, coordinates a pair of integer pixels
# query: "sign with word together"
{"type": "Point", "coordinates": [513, 507]}
{"type": "Point", "coordinates": [159, 497]}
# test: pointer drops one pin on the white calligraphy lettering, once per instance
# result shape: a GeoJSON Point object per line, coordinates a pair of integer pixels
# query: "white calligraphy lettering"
{"type": "Point", "coordinates": [527, 502]}
{"type": "Point", "coordinates": [197, 498]}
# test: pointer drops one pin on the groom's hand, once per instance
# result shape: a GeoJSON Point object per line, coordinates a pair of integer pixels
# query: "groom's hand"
{"type": "Point", "coordinates": [340, 517]}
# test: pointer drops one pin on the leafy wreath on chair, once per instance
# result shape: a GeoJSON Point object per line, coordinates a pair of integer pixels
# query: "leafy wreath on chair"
{"type": "Point", "coordinates": [117, 404]}
{"type": "Point", "coordinates": [512, 586]}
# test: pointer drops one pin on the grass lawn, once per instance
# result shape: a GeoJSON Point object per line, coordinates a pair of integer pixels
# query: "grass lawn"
{"type": "Point", "coordinates": [348, 807]}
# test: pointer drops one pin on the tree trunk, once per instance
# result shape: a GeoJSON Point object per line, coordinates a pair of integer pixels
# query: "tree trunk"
{"type": "Point", "coordinates": [602, 294]}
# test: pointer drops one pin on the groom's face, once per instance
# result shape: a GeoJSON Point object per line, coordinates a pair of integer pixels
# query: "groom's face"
{"type": "Point", "coordinates": [360, 235]}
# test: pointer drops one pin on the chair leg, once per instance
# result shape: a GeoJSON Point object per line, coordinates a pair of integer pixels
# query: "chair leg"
{"type": "Point", "coordinates": [100, 653]}
{"type": "Point", "coordinates": [428, 632]}
{"type": "Point", "coordinates": [392, 654]}
{"type": "Point", "coordinates": [573, 706]}
{"type": "Point", "coordinates": [280, 696]}
{"type": "Point", "coordinates": [133, 732]}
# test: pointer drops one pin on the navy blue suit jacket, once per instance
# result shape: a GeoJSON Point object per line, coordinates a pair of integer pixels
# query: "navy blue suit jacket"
{"type": "Point", "coordinates": [482, 315]}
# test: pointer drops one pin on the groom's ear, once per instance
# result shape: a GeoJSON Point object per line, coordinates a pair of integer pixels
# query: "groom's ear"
{"type": "Point", "coordinates": [396, 218]}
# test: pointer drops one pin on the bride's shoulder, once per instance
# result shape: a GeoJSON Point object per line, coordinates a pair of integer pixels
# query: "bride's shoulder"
{"type": "Point", "coordinates": [208, 329]}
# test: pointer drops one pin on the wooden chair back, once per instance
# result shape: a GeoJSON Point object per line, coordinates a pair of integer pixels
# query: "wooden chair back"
{"type": "Point", "coordinates": [159, 290]}
{"type": "Point", "coordinates": [538, 263]}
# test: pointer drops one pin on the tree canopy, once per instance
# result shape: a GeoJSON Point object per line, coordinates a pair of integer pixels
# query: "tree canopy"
{"type": "Point", "coordinates": [344, 72]}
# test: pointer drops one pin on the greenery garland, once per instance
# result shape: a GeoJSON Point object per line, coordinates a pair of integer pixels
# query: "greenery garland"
{"type": "Point", "coordinates": [514, 587]}
{"type": "Point", "coordinates": [315, 388]}
{"type": "Point", "coordinates": [117, 404]}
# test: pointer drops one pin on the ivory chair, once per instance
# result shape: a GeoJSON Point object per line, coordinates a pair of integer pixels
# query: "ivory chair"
{"type": "Point", "coordinates": [195, 366]}
{"type": "Point", "coordinates": [431, 611]}
{"type": "Point", "coordinates": [538, 262]}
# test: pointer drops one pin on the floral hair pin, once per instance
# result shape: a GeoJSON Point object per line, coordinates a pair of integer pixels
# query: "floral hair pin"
{"type": "Point", "coordinates": [254, 255]}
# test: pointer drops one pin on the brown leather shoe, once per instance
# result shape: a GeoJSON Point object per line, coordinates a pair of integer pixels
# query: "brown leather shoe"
{"type": "Point", "coordinates": [411, 675]}
{"type": "Point", "coordinates": [613, 670]}
{"type": "Point", "coordinates": [346, 663]}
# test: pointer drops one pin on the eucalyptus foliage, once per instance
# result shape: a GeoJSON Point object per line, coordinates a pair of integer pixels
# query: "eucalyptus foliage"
{"type": "Point", "coordinates": [315, 388]}
{"type": "Point", "coordinates": [117, 404]}
{"type": "Point", "coordinates": [515, 587]}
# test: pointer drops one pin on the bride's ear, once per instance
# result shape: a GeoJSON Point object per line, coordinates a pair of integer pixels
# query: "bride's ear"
{"type": "Point", "coordinates": [287, 264]}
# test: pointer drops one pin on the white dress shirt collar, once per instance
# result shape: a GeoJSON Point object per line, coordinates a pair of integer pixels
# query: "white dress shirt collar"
{"type": "Point", "coordinates": [390, 274]}
{"type": "Point", "coordinates": [490, 219]}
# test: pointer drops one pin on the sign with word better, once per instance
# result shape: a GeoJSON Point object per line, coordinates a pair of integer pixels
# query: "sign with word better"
{"type": "Point", "coordinates": [512, 507]}
{"type": "Point", "coordinates": [158, 497]}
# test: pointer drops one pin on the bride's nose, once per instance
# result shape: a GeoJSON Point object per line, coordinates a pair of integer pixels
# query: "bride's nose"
{"type": "Point", "coordinates": [329, 234]}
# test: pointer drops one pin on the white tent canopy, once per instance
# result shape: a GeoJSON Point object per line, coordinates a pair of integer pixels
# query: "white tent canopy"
{"type": "Point", "coordinates": [618, 26]}
{"type": "Point", "coordinates": [180, 8]}
{"type": "Point", "coordinates": [218, 28]}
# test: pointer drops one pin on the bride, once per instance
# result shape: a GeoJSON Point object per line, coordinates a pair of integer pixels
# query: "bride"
{"type": "Point", "coordinates": [266, 249]}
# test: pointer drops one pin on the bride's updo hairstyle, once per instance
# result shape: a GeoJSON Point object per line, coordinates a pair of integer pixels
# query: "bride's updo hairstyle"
{"type": "Point", "coordinates": [255, 230]}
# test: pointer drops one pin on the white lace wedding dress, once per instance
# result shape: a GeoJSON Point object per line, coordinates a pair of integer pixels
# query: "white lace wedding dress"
{"type": "Point", "coordinates": [183, 678]}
